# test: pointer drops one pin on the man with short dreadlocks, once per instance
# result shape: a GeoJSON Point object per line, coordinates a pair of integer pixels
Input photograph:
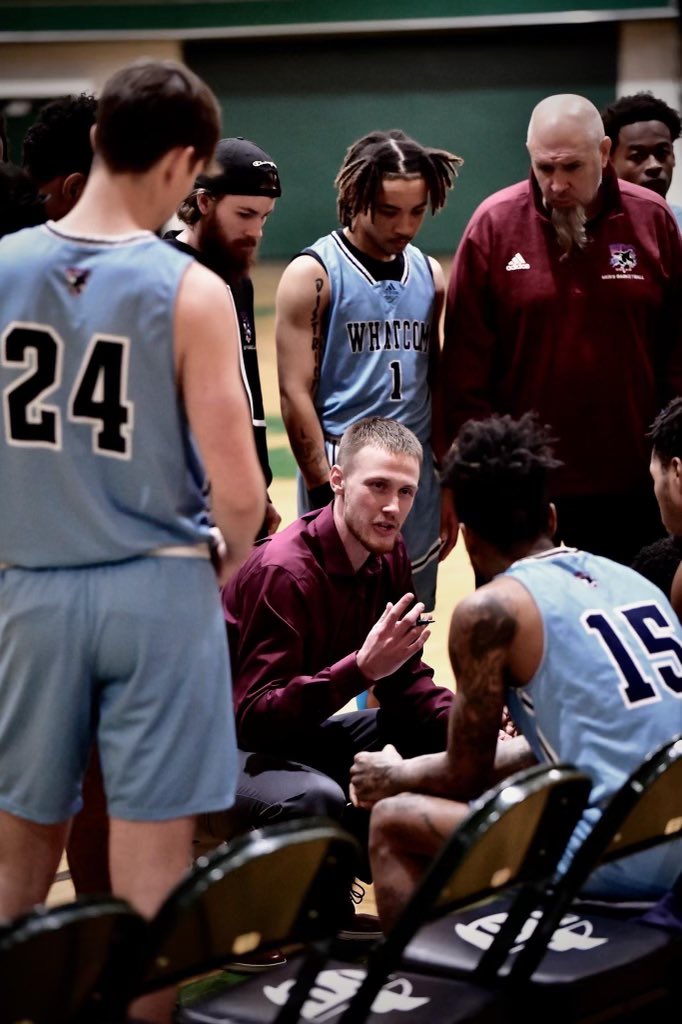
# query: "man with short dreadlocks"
{"type": "Point", "coordinates": [357, 329]}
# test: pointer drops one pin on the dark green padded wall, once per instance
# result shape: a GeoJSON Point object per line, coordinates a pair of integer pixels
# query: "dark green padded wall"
{"type": "Point", "coordinates": [184, 15]}
{"type": "Point", "coordinates": [305, 100]}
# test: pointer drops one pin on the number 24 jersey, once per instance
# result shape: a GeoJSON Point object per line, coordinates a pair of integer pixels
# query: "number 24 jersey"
{"type": "Point", "coordinates": [96, 461]}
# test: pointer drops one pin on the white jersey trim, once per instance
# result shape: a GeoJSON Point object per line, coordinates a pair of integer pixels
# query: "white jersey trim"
{"type": "Point", "coordinates": [361, 269]}
{"type": "Point", "coordinates": [134, 238]}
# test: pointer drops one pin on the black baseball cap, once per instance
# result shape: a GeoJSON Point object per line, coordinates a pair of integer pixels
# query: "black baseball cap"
{"type": "Point", "coordinates": [242, 169]}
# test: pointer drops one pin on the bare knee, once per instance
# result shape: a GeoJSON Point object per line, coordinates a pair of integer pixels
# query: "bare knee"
{"type": "Point", "coordinates": [392, 824]}
{"type": "Point", "coordinates": [414, 823]}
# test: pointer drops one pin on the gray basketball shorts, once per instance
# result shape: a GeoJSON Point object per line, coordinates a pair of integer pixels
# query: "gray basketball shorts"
{"type": "Point", "coordinates": [132, 655]}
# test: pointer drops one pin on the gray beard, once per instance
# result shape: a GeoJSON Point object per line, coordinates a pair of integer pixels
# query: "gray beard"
{"type": "Point", "coordinates": [569, 224]}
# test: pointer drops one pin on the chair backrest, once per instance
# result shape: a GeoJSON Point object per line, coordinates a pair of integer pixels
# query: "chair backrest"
{"type": "Point", "coordinates": [654, 793]}
{"type": "Point", "coordinates": [514, 835]}
{"type": "Point", "coordinates": [272, 887]}
{"type": "Point", "coordinates": [53, 961]}
{"type": "Point", "coordinates": [646, 810]}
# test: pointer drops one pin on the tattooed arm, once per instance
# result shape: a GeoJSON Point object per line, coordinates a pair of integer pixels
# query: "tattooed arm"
{"type": "Point", "coordinates": [493, 631]}
{"type": "Point", "coordinates": [481, 633]}
{"type": "Point", "coordinates": [301, 304]}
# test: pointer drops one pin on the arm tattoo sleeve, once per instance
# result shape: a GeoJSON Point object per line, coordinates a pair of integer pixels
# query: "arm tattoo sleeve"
{"type": "Point", "coordinates": [487, 631]}
{"type": "Point", "coordinates": [316, 328]}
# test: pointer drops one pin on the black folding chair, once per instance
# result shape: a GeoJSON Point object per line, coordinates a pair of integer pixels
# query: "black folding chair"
{"type": "Point", "coordinates": [261, 891]}
{"type": "Point", "coordinates": [56, 964]}
{"type": "Point", "coordinates": [513, 836]}
{"type": "Point", "coordinates": [580, 959]}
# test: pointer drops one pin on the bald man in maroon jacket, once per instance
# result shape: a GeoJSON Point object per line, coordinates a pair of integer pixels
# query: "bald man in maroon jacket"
{"type": "Point", "coordinates": [566, 298]}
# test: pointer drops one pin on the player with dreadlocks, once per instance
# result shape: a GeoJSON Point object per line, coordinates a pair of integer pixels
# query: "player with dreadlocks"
{"type": "Point", "coordinates": [357, 329]}
{"type": "Point", "coordinates": [573, 642]}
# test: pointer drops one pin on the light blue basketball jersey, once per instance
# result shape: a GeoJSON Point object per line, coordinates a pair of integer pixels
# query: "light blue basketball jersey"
{"type": "Point", "coordinates": [96, 460]}
{"type": "Point", "coordinates": [609, 687]}
{"type": "Point", "coordinates": [375, 356]}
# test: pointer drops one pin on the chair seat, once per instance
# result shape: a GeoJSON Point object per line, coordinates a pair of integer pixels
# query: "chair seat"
{"type": "Point", "coordinates": [593, 960]}
{"type": "Point", "coordinates": [406, 998]}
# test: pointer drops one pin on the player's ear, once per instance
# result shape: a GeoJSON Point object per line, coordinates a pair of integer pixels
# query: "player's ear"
{"type": "Point", "coordinates": [551, 519]}
{"type": "Point", "coordinates": [73, 186]}
{"type": "Point", "coordinates": [180, 161]}
{"type": "Point", "coordinates": [193, 163]}
{"type": "Point", "coordinates": [204, 200]}
{"type": "Point", "coordinates": [336, 479]}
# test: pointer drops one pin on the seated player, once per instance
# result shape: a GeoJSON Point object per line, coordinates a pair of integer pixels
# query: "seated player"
{"type": "Point", "coordinates": [556, 630]}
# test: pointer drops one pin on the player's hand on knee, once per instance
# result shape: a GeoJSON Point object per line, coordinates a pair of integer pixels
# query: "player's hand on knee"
{"type": "Point", "coordinates": [373, 776]}
{"type": "Point", "coordinates": [393, 639]}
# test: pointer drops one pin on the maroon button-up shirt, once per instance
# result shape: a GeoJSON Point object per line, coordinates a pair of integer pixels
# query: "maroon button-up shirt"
{"type": "Point", "coordinates": [296, 615]}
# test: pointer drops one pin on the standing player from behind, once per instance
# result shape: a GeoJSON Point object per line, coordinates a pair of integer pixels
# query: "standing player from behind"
{"type": "Point", "coordinates": [357, 330]}
{"type": "Point", "coordinates": [120, 348]}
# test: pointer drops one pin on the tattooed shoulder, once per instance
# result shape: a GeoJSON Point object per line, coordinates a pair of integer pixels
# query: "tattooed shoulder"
{"type": "Point", "coordinates": [494, 628]}
{"type": "Point", "coordinates": [482, 623]}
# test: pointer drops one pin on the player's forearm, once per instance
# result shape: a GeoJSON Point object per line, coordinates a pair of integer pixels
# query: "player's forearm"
{"type": "Point", "coordinates": [238, 512]}
{"type": "Point", "coordinates": [306, 438]}
{"type": "Point", "coordinates": [426, 774]}
{"type": "Point", "coordinates": [512, 755]}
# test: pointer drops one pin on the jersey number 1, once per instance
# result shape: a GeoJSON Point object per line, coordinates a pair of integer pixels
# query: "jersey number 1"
{"type": "Point", "coordinates": [397, 381]}
{"type": "Point", "coordinates": [98, 395]}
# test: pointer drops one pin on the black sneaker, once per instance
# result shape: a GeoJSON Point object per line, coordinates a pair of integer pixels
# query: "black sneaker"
{"type": "Point", "coordinates": [257, 962]}
{"type": "Point", "coordinates": [357, 927]}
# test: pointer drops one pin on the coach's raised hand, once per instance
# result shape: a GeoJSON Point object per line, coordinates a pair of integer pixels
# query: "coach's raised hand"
{"type": "Point", "coordinates": [393, 639]}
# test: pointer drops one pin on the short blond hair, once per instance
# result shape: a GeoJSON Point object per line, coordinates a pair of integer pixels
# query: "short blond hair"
{"type": "Point", "coordinates": [390, 435]}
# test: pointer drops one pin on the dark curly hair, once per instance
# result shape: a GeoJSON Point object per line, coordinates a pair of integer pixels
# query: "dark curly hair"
{"type": "Point", "coordinates": [58, 141]}
{"type": "Point", "coordinates": [666, 433]}
{"type": "Point", "coordinates": [394, 154]}
{"type": "Point", "coordinates": [20, 205]}
{"type": "Point", "coordinates": [498, 470]}
{"type": "Point", "coordinates": [641, 106]}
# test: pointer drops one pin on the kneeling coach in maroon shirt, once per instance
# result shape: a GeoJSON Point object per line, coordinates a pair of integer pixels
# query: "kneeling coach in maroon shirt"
{"type": "Point", "coordinates": [317, 614]}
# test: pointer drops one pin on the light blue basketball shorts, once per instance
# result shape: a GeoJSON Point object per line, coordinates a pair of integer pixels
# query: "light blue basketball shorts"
{"type": "Point", "coordinates": [132, 655]}
{"type": "Point", "coordinates": [643, 876]}
{"type": "Point", "coordinates": [421, 529]}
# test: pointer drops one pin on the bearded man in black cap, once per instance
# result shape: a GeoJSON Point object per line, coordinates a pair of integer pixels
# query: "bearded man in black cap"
{"type": "Point", "coordinates": [223, 219]}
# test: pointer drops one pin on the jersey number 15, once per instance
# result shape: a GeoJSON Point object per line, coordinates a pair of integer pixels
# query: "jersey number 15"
{"type": "Point", "coordinates": [654, 637]}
